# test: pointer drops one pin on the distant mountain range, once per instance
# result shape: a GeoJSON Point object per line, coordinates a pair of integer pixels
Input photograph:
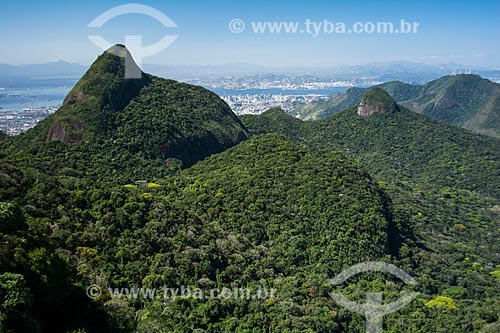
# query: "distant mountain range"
{"type": "Point", "coordinates": [150, 117]}
{"type": "Point", "coordinates": [404, 71]}
{"type": "Point", "coordinates": [378, 72]}
{"type": "Point", "coordinates": [50, 69]}
{"type": "Point", "coordinates": [468, 101]}
{"type": "Point", "coordinates": [155, 184]}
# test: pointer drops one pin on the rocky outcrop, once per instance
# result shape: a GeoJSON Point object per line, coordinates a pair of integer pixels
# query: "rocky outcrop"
{"type": "Point", "coordinates": [66, 130]}
{"type": "Point", "coordinates": [376, 100]}
{"type": "Point", "coordinates": [365, 109]}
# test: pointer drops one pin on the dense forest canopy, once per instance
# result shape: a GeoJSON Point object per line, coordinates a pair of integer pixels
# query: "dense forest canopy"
{"type": "Point", "coordinates": [165, 187]}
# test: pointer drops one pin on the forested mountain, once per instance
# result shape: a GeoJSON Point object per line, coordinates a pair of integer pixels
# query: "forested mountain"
{"type": "Point", "coordinates": [467, 101]}
{"type": "Point", "coordinates": [157, 184]}
{"type": "Point", "coordinates": [123, 122]}
{"type": "Point", "coordinates": [398, 145]}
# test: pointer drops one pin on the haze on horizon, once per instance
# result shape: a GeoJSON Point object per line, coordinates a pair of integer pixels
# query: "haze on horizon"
{"type": "Point", "coordinates": [463, 32]}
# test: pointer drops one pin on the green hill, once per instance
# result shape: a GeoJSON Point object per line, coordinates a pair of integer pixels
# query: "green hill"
{"type": "Point", "coordinates": [305, 189]}
{"type": "Point", "coordinates": [94, 203]}
{"type": "Point", "coordinates": [169, 119]}
{"type": "Point", "coordinates": [265, 212]}
{"type": "Point", "coordinates": [129, 124]}
{"type": "Point", "coordinates": [466, 101]}
{"type": "Point", "coordinates": [400, 145]}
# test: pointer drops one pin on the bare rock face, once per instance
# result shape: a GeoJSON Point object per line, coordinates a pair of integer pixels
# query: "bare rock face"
{"type": "Point", "coordinates": [365, 109]}
{"type": "Point", "coordinates": [66, 130]}
{"type": "Point", "coordinates": [376, 100]}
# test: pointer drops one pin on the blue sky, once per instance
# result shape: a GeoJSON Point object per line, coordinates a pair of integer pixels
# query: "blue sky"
{"type": "Point", "coordinates": [464, 32]}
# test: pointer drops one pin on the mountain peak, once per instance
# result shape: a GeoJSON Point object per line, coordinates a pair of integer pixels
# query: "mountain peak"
{"type": "Point", "coordinates": [376, 100]}
{"type": "Point", "coordinates": [149, 118]}
{"type": "Point", "coordinates": [103, 91]}
{"type": "Point", "coordinates": [108, 70]}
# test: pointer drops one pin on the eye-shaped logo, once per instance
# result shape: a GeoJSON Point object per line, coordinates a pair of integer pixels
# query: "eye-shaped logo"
{"type": "Point", "coordinates": [374, 309]}
{"type": "Point", "coordinates": [133, 42]}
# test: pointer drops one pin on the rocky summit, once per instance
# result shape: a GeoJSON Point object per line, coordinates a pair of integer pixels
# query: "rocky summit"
{"type": "Point", "coordinates": [376, 100]}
